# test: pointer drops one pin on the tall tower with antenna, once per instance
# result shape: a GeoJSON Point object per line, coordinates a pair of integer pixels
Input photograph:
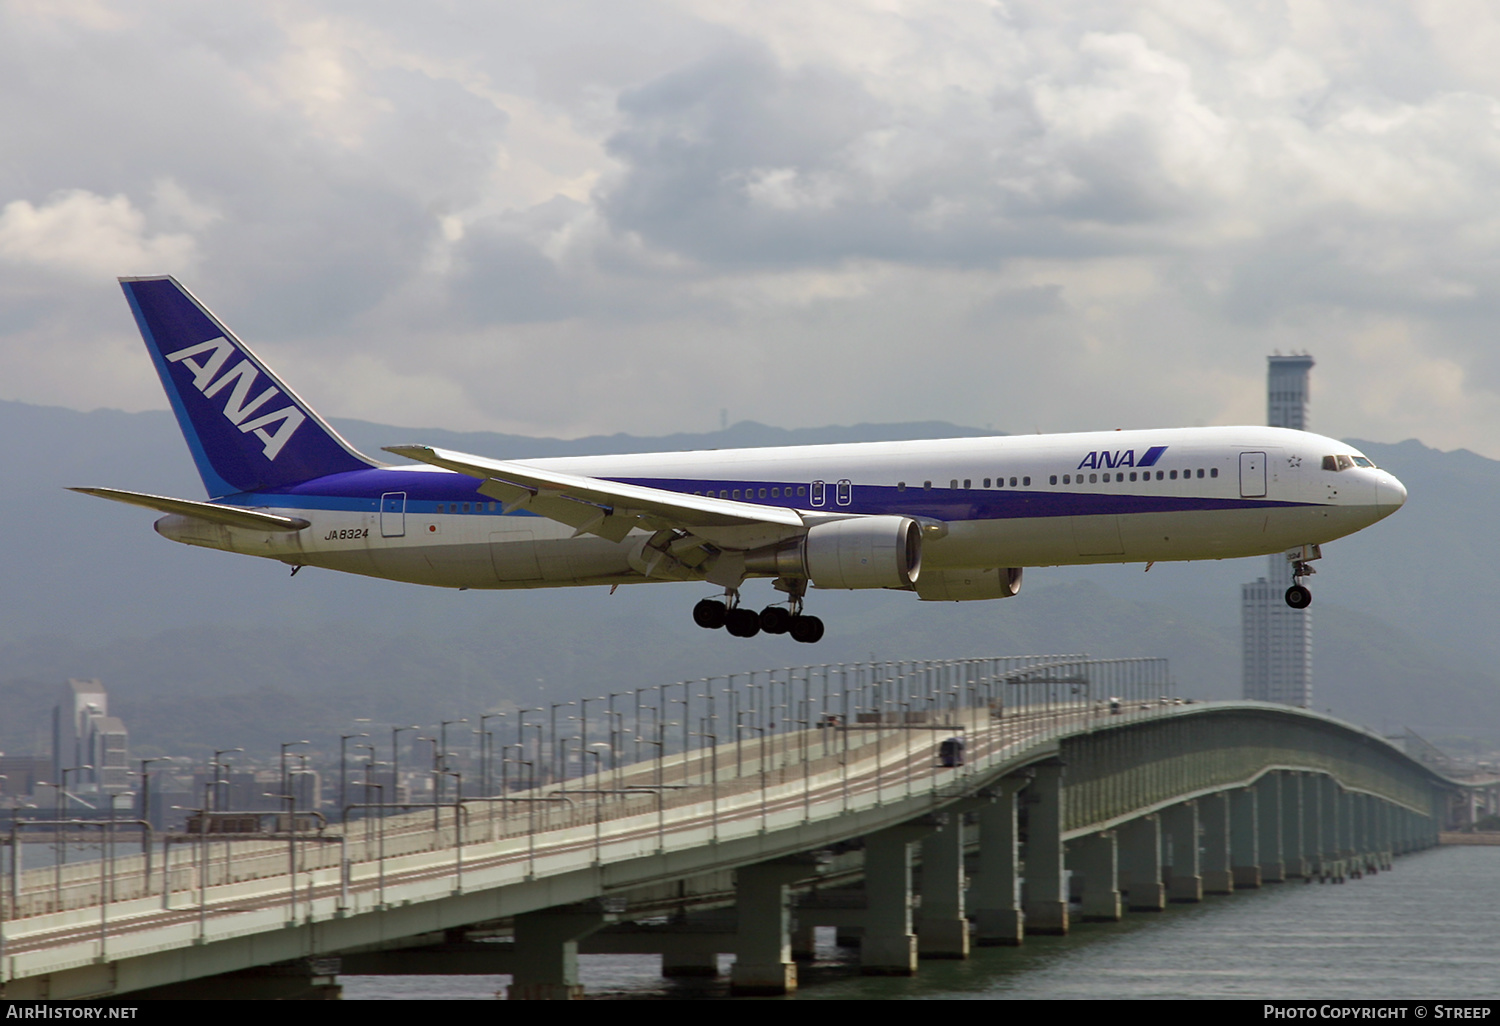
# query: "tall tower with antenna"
{"type": "Point", "coordinates": [1277, 638]}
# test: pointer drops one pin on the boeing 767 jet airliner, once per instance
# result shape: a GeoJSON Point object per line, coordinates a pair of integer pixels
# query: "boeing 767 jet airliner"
{"type": "Point", "coordinates": [950, 520]}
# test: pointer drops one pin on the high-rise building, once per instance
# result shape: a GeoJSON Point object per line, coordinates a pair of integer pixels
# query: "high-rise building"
{"type": "Point", "coordinates": [85, 735]}
{"type": "Point", "coordinates": [1286, 391]}
{"type": "Point", "coordinates": [1277, 638]}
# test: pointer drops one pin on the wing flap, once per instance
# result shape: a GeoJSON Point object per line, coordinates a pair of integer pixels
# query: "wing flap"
{"type": "Point", "coordinates": [233, 516]}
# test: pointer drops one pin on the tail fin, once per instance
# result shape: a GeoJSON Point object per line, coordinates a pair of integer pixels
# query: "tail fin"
{"type": "Point", "coordinates": [247, 431]}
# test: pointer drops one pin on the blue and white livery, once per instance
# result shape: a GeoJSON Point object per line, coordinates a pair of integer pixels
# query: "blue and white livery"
{"type": "Point", "coordinates": [947, 520]}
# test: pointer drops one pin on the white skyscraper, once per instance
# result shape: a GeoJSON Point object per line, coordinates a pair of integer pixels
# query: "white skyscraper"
{"type": "Point", "coordinates": [1277, 638]}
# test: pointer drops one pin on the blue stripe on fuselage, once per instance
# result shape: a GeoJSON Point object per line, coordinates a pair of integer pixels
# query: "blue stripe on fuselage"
{"type": "Point", "coordinates": [360, 491]}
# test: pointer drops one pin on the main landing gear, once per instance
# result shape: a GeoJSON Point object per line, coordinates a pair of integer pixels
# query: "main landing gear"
{"type": "Point", "coordinates": [1297, 596]}
{"type": "Point", "coordinates": [727, 613]}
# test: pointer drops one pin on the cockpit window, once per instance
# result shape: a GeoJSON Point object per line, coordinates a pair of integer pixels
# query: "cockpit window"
{"type": "Point", "coordinates": [1360, 461]}
{"type": "Point", "coordinates": [1337, 463]}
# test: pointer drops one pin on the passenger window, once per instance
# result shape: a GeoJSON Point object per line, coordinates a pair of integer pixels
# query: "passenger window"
{"type": "Point", "coordinates": [802, 489]}
{"type": "Point", "coordinates": [1174, 475]}
{"type": "Point", "coordinates": [1026, 481]}
{"type": "Point", "coordinates": [1214, 472]}
{"type": "Point", "coordinates": [1132, 475]}
{"type": "Point", "coordinates": [986, 482]}
{"type": "Point", "coordinates": [1093, 479]}
{"type": "Point", "coordinates": [736, 493]}
{"type": "Point", "coordinates": [1200, 471]}
{"type": "Point", "coordinates": [775, 493]}
{"type": "Point", "coordinates": [1012, 482]}
{"type": "Point", "coordinates": [762, 493]}
{"type": "Point", "coordinates": [900, 486]}
{"type": "Point", "coordinates": [1054, 479]}
{"type": "Point", "coordinates": [1160, 475]}
{"type": "Point", "coordinates": [927, 486]}
{"type": "Point", "coordinates": [1066, 479]}
{"type": "Point", "coordinates": [723, 494]}
{"type": "Point", "coordinates": [967, 483]}
{"type": "Point", "coordinates": [953, 484]}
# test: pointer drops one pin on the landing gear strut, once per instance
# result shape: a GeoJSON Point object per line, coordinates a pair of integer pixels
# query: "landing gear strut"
{"type": "Point", "coordinates": [786, 618]}
{"type": "Point", "coordinates": [1297, 596]}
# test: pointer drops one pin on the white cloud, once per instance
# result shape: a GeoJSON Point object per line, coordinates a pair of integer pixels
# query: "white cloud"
{"type": "Point", "coordinates": [82, 234]}
{"type": "Point", "coordinates": [577, 218]}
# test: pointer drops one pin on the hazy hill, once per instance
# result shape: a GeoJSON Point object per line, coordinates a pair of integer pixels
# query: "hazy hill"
{"type": "Point", "coordinates": [208, 647]}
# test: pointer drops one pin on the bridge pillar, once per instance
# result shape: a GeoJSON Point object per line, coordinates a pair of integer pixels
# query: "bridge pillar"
{"type": "Point", "coordinates": [1330, 801]}
{"type": "Point", "coordinates": [1244, 837]}
{"type": "Point", "coordinates": [889, 945]}
{"type": "Point", "coordinates": [1387, 833]}
{"type": "Point", "coordinates": [763, 946]}
{"type": "Point", "coordinates": [1140, 865]}
{"type": "Point", "coordinates": [943, 929]}
{"type": "Point", "coordinates": [1312, 826]}
{"type": "Point", "coordinates": [1293, 826]}
{"type": "Point", "coordinates": [1348, 842]}
{"type": "Point", "coordinates": [1359, 835]}
{"type": "Point", "coordinates": [546, 953]}
{"type": "Point", "coordinates": [1268, 793]}
{"type": "Point", "coordinates": [1046, 881]}
{"type": "Point", "coordinates": [1185, 879]}
{"type": "Point", "coordinates": [1096, 859]}
{"type": "Point", "coordinates": [1217, 869]}
{"type": "Point", "coordinates": [997, 914]}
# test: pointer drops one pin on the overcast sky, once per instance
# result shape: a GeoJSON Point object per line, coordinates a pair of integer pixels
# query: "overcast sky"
{"type": "Point", "coordinates": [571, 218]}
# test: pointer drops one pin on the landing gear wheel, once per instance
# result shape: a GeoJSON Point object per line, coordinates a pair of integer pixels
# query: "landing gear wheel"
{"type": "Point", "coordinates": [775, 619]}
{"type": "Point", "coordinates": [1298, 597]}
{"type": "Point", "coordinates": [742, 623]}
{"type": "Point", "coordinates": [806, 629]}
{"type": "Point", "coordinates": [710, 614]}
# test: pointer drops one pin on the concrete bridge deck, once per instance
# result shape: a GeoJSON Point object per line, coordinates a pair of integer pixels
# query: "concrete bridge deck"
{"type": "Point", "coordinates": [1127, 805]}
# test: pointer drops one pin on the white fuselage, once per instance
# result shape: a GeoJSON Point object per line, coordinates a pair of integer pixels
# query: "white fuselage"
{"type": "Point", "coordinates": [1010, 501]}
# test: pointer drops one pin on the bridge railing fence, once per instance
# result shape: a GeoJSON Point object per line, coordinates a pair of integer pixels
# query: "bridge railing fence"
{"type": "Point", "coordinates": [662, 748]}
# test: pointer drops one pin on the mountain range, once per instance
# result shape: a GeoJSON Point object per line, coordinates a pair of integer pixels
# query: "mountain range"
{"type": "Point", "coordinates": [201, 649]}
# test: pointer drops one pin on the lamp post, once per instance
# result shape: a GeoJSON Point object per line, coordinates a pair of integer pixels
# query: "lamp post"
{"type": "Point", "coordinates": [486, 747]}
{"type": "Point", "coordinates": [343, 770]}
{"type": "Point", "coordinates": [396, 762]}
{"type": "Point", "coordinates": [556, 768]}
{"type": "Point", "coordinates": [214, 796]}
{"type": "Point", "coordinates": [285, 789]}
{"type": "Point", "coordinates": [442, 767]}
{"type": "Point", "coordinates": [146, 786]}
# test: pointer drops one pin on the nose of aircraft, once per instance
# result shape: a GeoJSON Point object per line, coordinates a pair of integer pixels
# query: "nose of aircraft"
{"type": "Point", "coordinates": [1390, 494]}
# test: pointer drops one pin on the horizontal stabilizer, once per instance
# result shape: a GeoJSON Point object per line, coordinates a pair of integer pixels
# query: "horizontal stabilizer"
{"type": "Point", "coordinates": [232, 516]}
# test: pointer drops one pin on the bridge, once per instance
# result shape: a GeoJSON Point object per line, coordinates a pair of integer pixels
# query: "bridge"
{"type": "Point", "coordinates": [923, 807]}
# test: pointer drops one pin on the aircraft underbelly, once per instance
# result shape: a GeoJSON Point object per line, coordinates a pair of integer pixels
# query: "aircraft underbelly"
{"type": "Point", "coordinates": [1141, 537]}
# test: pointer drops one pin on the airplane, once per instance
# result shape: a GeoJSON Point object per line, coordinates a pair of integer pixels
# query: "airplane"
{"type": "Point", "coordinates": [947, 520]}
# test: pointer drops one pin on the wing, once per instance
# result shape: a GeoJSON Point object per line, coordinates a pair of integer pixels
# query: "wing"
{"type": "Point", "coordinates": [707, 536]}
{"type": "Point", "coordinates": [234, 516]}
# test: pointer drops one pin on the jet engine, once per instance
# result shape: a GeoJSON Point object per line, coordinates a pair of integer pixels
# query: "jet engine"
{"type": "Point", "coordinates": [861, 552]}
{"type": "Point", "coordinates": [970, 584]}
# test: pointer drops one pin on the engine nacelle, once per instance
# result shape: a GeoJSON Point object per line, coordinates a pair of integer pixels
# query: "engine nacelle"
{"type": "Point", "coordinates": [969, 585]}
{"type": "Point", "coordinates": [861, 552]}
{"type": "Point", "coordinates": [867, 552]}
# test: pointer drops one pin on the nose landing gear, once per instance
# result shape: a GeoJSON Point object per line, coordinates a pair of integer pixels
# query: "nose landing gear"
{"type": "Point", "coordinates": [1297, 596]}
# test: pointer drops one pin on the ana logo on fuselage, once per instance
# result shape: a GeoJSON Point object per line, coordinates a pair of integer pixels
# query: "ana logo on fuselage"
{"type": "Point", "coordinates": [1107, 460]}
{"type": "Point", "coordinates": [239, 406]}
